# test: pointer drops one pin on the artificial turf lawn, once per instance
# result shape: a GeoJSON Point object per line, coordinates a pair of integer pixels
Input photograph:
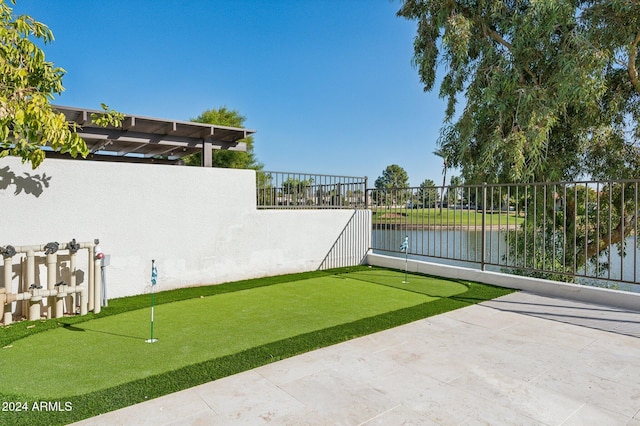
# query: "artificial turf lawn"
{"type": "Point", "coordinates": [191, 331]}
{"type": "Point", "coordinates": [206, 338]}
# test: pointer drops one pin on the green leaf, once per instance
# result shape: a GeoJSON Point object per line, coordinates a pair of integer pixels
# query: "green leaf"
{"type": "Point", "coordinates": [19, 117]}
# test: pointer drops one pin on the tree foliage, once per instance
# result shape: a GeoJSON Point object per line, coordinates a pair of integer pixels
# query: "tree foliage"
{"type": "Point", "coordinates": [296, 186]}
{"type": "Point", "coordinates": [550, 87]}
{"type": "Point", "coordinates": [28, 84]}
{"type": "Point", "coordinates": [393, 177]}
{"type": "Point", "coordinates": [392, 185]}
{"type": "Point", "coordinates": [455, 193]}
{"type": "Point", "coordinates": [427, 193]}
{"type": "Point", "coordinates": [223, 158]}
{"type": "Point", "coordinates": [550, 92]}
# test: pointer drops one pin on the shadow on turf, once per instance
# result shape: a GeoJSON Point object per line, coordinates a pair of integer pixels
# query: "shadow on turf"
{"type": "Point", "coordinates": [371, 275]}
{"type": "Point", "coordinates": [462, 297]}
{"type": "Point", "coordinates": [72, 328]}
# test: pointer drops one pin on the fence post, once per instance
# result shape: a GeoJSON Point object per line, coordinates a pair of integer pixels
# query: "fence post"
{"type": "Point", "coordinates": [366, 192]}
{"type": "Point", "coordinates": [484, 225]}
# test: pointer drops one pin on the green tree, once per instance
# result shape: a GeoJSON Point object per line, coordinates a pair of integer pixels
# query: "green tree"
{"type": "Point", "coordinates": [427, 193]}
{"type": "Point", "coordinates": [297, 191]}
{"type": "Point", "coordinates": [550, 91]}
{"type": "Point", "coordinates": [613, 27]}
{"type": "Point", "coordinates": [223, 158]}
{"type": "Point", "coordinates": [550, 87]}
{"type": "Point", "coordinates": [28, 84]}
{"type": "Point", "coordinates": [455, 193]}
{"type": "Point", "coordinates": [392, 185]}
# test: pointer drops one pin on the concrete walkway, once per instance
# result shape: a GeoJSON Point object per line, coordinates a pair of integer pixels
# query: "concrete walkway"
{"type": "Point", "coordinates": [522, 359]}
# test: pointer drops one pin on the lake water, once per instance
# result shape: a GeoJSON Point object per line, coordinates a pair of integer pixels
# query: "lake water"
{"type": "Point", "coordinates": [464, 248]}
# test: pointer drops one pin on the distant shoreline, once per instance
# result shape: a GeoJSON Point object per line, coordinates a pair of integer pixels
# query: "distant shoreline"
{"type": "Point", "coordinates": [448, 227]}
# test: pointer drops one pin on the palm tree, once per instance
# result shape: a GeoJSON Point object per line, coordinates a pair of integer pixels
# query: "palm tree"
{"type": "Point", "coordinates": [454, 185]}
{"type": "Point", "coordinates": [445, 157]}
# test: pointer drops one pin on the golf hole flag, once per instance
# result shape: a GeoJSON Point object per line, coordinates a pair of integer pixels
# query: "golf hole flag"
{"type": "Point", "coordinates": [154, 279]}
{"type": "Point", "coordinates": [405, 248]}
{"type": "Point", "coordinates": [154, 272]}
{"type": "Point", "coordinates": [405, 245]}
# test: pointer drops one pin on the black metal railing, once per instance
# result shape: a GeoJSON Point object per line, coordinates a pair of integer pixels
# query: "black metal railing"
{"type": "Point", "coordinates": [289, 190]}
{"type": "Point", "coordinates": [583, 232]}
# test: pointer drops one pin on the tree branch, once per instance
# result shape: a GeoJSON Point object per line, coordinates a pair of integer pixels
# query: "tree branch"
{"type": "Point", "coordinates": [617, 235]}
{"type": "Point", "coordinates": [497, 37]}
{"type": "Point", "coordinates": [631, 67]}
{"type": "Point", "coordinates": [493, 34]}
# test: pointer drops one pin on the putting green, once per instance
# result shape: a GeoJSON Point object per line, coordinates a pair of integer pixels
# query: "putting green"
{"type": "Point", "coordinates": [105, 352]}
{"type": "Point", "coordinates": [430, 286]}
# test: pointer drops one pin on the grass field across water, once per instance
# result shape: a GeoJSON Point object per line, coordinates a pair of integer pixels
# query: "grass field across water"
{"type": "Point", "coordinates": [104, 363]}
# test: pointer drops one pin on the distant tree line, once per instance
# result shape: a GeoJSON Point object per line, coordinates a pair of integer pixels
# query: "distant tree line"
{"type": "Point", "coordinates": [392, 188]}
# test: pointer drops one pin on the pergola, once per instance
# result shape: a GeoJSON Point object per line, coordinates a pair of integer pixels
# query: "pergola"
{"type": "Point", "coordinates": [152, 140]}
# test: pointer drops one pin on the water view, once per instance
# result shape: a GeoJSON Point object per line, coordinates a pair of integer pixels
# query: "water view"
{"type": "Point", "coordinates": [464, 248]}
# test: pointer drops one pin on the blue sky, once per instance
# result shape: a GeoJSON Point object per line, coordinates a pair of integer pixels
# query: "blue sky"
{"type": "Point", "coordinates": [327, 84]}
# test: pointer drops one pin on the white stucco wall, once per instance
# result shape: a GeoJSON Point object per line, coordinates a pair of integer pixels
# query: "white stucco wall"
{"type": "Point", "coordinates": [201, 225]}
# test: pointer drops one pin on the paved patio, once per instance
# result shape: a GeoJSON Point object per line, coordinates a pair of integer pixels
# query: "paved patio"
{"type": "Point", "coordinates": [523, 359]}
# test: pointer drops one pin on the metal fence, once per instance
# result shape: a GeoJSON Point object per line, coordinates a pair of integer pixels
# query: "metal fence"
{"type": "Point", "coordinates": [309, 191]}
{"type": "Point", "coordinates": [584, 232]}
{"type": "Point", "coordinates": [352, 244]}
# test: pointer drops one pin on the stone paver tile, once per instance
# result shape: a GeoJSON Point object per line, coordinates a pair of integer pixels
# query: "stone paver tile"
{"type": "Point", "coordinates": [306, 418]}
{"type": "Point", "coordinates": [551, 333]}
{"type": "Point", "coordinates": [338, 398]}
{"type": "Point", "coordinates": [629, 375]}
{"type": "Point", "coordinates": [291, 369]}
{"type": "Point", "coordinates": [400, 385]}
{"type": "Point", "coordinates": [524, 398]}
{"type": "Point", "coordinates": [520, 366]}
{"type": "Point", "coordinates": [481, 316]}
{"type": "Point", "coordinates": [400, 415]}
{"type": "Point", "coordinates": [616, 343]}
{"type": "Point", "coordinates": [439, 367]}
{"type": "Point", "coordinates": [580, 384]}
{"type": "Point", "coordinates": [571, 312]}
{"type": "Point", "coordinates": [440, 322]}
{"type": "Point", "coordinates": [247, 398]}
{"type": "Point", "coordinates": [382, 339]}
{"type": "Point", "coordinates": [202, 418]}
{"type": "Point", "coordinates": [365, 369]}
{"type": "Point", "coordinates": [450, 405]}
{"type": "Point", "coordinates": [590, 415]}
{"type": "Point", "coordinates": [165, 409]}
{"type": "Point", "coordinates": [608, 362]}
